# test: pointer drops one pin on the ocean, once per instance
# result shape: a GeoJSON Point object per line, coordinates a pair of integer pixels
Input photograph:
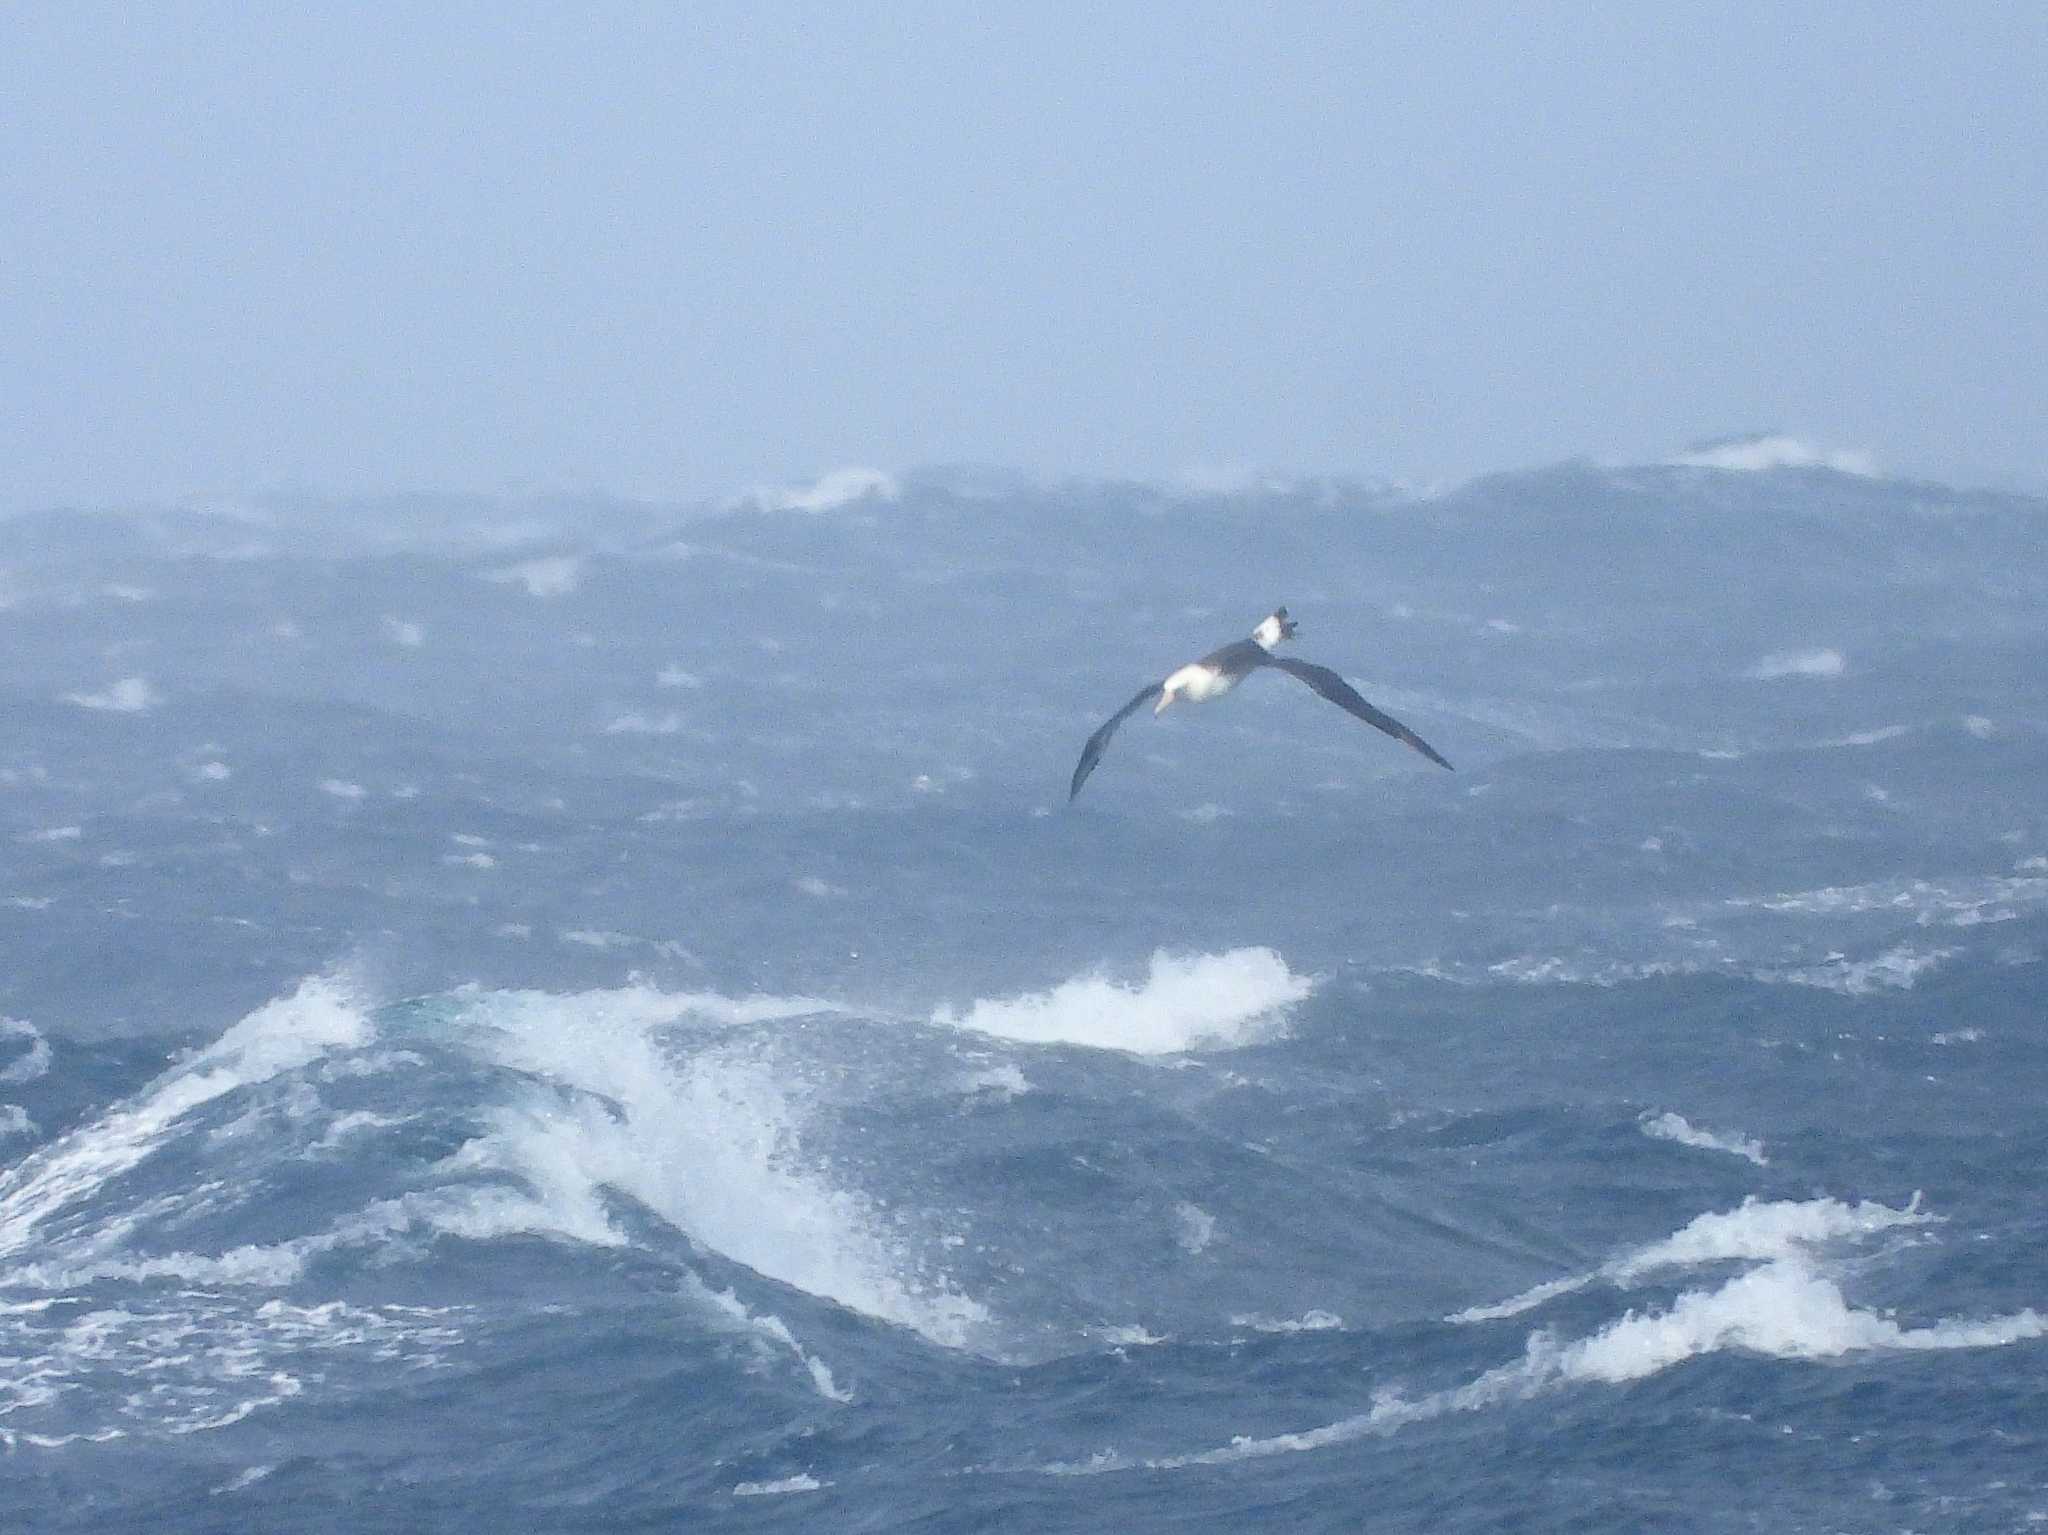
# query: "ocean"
{"type": "Point", "coordinates": [576, 1015]}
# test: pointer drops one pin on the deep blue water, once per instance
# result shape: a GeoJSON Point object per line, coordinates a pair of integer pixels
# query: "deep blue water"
{"type": "Point", "coordinates": [613, 1026]}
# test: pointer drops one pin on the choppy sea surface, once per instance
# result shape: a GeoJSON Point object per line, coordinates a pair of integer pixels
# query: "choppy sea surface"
{"type": "Point", "coordinates": [575, 1016]}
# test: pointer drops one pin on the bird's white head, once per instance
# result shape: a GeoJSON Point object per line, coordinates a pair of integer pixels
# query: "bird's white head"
{"type": "Point", "coordinates": [1275, 627]}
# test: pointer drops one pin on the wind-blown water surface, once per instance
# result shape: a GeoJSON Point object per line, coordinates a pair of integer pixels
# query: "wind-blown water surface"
{"type": "Point", "coordinates": [594, 1017]}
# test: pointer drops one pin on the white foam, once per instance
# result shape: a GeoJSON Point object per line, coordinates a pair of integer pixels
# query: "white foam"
{"type": "Point", "coordinates": [1957, 901]}
{"type": "Point", "coordinates": [1800, 663]}
{"type": "Point", "coordinates": [1873, 737]}
{"type": "Point", "coordinates": [830, 491]}
{"type": "Point", "coordinates": [33, 1060]}
{"type": "Point", "coordinates": [556, 576]}
{"type": "Point", "coordinates": [1754, 1231]}
{"type": "Point", "coordinates": [131, 695]}
{"type": "Point", "coordinates": [803, 1481]}
{"type": "Point", "coordinates": [242, 1481]}
{"type": "Point", "coordinates": [71, 833]}
{"type": "Point", "coordinates": [1002, 1082]}
{"type": "Point", "coordinates": [1186, 1002]}
{"type": "Point", "coordinates": [323, 1014]}
{"type": "Point", "coordinates": [1787, 1308]}
{"type": "Point", "coordinates": [1776, 450]}
{"type": "Point", "coordinates": [1196, 1228]}
{"type": "Point", "coordinates": [711, 1142]}
{"type": "Point", "coordinates": [635, 723]}
{"type": "Point", "coordinates": [209, 1360]}
{"type": "Point", "coordinates": [1313, 1320]}
{"type": "Point", "coordinates": [1896, 969]}
{"type": "Point", "coordinates": [1528, 1300]}
{"type": "Point", "coordinates": [1765, 1231]}
{"type": "Point", "coordinates": [1675, 1127]}
{"type": "Point", "coordinates": [769, 1330]}
{"type": "Point", "coordinates": [1783, 1310]}
{"type": "Point", "coordinates": [593, 938]}
{"type": "Point", "coordinates": [267, 1266]}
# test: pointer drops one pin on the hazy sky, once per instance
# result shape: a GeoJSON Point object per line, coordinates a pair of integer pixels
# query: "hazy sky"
{"type": "Point", "coordinates": [676, 250]}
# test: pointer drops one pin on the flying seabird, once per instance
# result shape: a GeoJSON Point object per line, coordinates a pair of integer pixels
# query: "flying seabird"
{"type": "Point", "coordinates": [1221, 670]}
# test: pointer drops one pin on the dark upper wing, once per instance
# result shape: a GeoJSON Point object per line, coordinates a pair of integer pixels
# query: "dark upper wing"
{"type": "Point", "coordinates": [1238, 657]}
{"type": "Point", "coordinates": [1092, 752]}
{"type": "Point", "coordinates": [1346, 697]}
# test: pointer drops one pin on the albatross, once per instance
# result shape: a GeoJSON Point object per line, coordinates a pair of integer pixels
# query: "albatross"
{"type": "Point", "coordinates": [1223, 669]}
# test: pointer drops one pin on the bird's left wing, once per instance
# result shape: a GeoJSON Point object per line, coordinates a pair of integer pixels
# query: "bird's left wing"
{"type": "Point", "coordinates": [1347, 698]}
{"type": "Point", "coordinates": [1099, 742]}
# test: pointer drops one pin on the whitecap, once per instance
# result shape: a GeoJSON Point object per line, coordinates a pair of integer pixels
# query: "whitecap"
{"type": "Point", "coordinates": [768, 1331]}
{"type": "Point", "coordinates": [1195, 1228]}
{"type": "Point", "coordinates": [131, 695]}
{"type": "Point", "coordinates": [1755, 1231]}
{"type": "Point", "coordinates": [1313, 1320]}
{"type": "Point", "coordinates": [1186, 1002]}
{"type": "Point", "coordinates": [322, 1015]}
{"type": "Point", "coordinates": [34, 1059]}
{"type": "Point", "coordinates": [1820, 662]}
{"type": "Point", "coordinates": [636, 723]}
{"type": "Point", "coordinates": [1001, 1083]}
{"type": "Point", "coordinates": [554, 576]}
{"type": "Point", "coordinates": [70, 833]}
{"type": "Point", "coordinates": [803, 1481]}
{"type": "Point", "coordinates": [1759, 452]}
{"type": "Point", "coordinates": [1786, 1308]}
{"type": "Point", "coordinates": [1675, 1127]}
{"type": "Point", "coordinates": [830, 491]}
{"type": "Point", "coordinates": [1896, 969]}
{"type": "Point", "coordinates": [710, 1142]}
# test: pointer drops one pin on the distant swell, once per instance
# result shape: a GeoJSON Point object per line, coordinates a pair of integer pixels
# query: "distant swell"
{"type": "Point", "coordinates": [1186, 1002]}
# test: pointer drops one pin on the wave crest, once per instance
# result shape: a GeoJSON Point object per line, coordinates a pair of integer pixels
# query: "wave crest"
{"type": "Point", "coordinates": [1186, 1002]}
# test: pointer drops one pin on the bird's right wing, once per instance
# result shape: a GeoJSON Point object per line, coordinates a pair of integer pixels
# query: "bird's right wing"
{"type": "Point", "coordinates": [1099, 742]}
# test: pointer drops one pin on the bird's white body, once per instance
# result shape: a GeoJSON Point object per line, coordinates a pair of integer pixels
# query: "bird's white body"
{"type": "Point", "coordinates": [1195, 684]}
{"type": "Point", "coordinates": [1221, 670]}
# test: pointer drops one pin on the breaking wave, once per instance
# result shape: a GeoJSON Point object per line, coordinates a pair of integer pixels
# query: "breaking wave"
{"type": "Point", "coordinates": [562, 1105]}
{"type": "Point", "coordinates": [322, 1014]}
{"type": "Point", "coordinates": [1675, 1127]}
{"type": "Point", "coordinates": [1186, 1002]}
{"type": "Point", "coordinates": [1786, 1307]}
{"type": "Point", "coordinates": [710, 1140]}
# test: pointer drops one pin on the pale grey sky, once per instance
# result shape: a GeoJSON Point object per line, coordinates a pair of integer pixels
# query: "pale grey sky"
{"type": "Point", "coordinates": [676, 250]}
